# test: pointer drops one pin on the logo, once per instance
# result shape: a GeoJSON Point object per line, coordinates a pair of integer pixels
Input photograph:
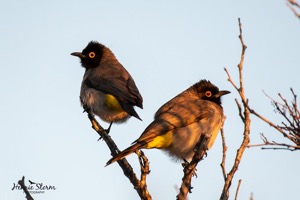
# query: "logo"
{"type": "Point", "coordinates": [35, 187]}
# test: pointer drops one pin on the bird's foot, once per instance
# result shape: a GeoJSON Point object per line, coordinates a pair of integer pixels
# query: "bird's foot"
{"type": "Point", "coordinates": [106, 130]}
{"type": "Point", "coordinates": [186, 163]}
{"type": "Point", "coordinates": [190, 189]}
{"type": "Point", "coordinates": [86, 109]}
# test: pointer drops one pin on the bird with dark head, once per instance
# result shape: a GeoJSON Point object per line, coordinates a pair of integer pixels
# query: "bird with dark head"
{"type": "Point", "coordinates": [180, 122]}
{"type": "Point", "coordinates": [107, 89]}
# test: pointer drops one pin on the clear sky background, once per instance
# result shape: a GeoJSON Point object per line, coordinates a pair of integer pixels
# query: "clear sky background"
{"type": "Point", "coordinates": [166, 46]}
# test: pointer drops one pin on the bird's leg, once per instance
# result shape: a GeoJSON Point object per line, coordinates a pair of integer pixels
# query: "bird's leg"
{"type": "Point", "coordinates": [185, 164]}
{"type": "Point", "coordinates": [190, 189]}
{"type": "Point", "coordinates": [85, 109]}
{"type": "Point", "coordinates": [107, 130]}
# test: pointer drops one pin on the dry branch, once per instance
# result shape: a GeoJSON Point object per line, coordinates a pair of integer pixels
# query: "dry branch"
{"type": "Point", "coordinates": [294, 6]}
{"type": "Point", "coordinates": [237, 190]}
{"type": "Point", "coordinates": [224, 154]}
{"type": "Point", "coordinates": [24, 188]}
{"type": "Point", "coordinates": [139, 186]}
{"type": "Point", "coordinates": [145, 170]}
{"type": "Point", "coordinates": [245, 117]}
{"type": "Point", "coordinates": [289, 129]}
{"type": "Point", "coordinates": [190, 168]}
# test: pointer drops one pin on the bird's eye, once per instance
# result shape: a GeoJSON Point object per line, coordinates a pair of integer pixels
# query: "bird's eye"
{"type": "Point", "coordinates": [92, 55]}
{"type": "Point", "coordinates": [208, 94]}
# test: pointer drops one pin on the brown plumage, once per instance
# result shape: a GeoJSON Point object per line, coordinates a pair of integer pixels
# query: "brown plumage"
{"type": "Point", "coordinates": [179, 123]}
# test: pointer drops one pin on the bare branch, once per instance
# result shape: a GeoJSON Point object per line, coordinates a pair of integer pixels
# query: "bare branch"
{"type": "Point", "coordinates": [292, 4]}
{"type": "Point", "coordinates": [230, 80]}
{"type": "Point", "coordinates": [24, 188]}
{"type": "Point", "coordinates": [190, 168]}
{"type": "Point", "coordinates": [224, 154]}
{"type": "Point", "coordinates": [139, 186]}
{"type": "Point", "coordinates": [269, 122]}
{"type": "Point", "coordinates": [290, 130]}
{"type": "Point", "coordinates": [272, 100]}
{"type": "Point", "coordinates": [145, 170]}
{"type": "Point", "coordinates": [237, 190]}
{"type": "Point", "coordinates": [245, 116]}
{"type": "Point", "coordinates": [279, 146]}
{"type": "Point", "coordinates": [240, 110]}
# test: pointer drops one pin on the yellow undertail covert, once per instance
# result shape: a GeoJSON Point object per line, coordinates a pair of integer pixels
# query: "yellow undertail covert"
{"type": "Point", "coordinates": [160, 142]}
{"type": "Point", "coordinates": [112, 103]}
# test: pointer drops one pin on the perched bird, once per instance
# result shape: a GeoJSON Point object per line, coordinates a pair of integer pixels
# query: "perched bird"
{"type": "Point", "coordinates": [180, 122]}
{"type": "Point", "coordinates": [107, 89]}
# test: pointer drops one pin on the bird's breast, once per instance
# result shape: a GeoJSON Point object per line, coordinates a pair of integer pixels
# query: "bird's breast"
{"type": "Point", "coordinates": [184, 139]}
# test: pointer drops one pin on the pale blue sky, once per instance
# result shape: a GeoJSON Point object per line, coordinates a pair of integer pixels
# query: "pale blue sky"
{"type": "Point", "coordinates": [166, 46]}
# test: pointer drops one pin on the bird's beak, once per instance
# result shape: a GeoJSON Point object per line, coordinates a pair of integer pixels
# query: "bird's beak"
{"type": "Point", "coordinates": [221, 93]}
{"type": "Point", "coordinates": [78, 54]}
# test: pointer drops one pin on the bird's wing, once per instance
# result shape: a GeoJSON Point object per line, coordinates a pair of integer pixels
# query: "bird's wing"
{"type": "Point", "coordinates": [176, 116]}
{"type": "Point", "coordinates": [120, 85]}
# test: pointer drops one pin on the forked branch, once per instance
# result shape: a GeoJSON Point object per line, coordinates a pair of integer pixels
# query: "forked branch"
{"type": "Point", "coordinates": [139, 186]}
{"type": "Point", "coordinates": [245, 117]}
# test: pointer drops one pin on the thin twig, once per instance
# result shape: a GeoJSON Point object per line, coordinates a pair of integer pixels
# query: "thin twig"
{"type": "Point", "coordinates": [245, 116]}
{"type": "Point", "coordinates": [290, 130]}
{"type": "Point", "coordinates": [270, 97]}
{"type": "Point", "coordinates": [230, 80]}
{"type": "Point", "coordinates": [224, 154]}
{"type": "Point", "coordinates": [240, 110]}
{"type": "Point", "coordinates": [237, 190]}
{"type": "Point", "coordinates": [268, 143]}
{"type": "Point", "coordinates": [286, 146]}
{"type": "Point", "coordinates": [292, 4]}
{"type": "Point", "coordinates": [295, 104]}
{"type": "Point", "coordinates": [269, 122]}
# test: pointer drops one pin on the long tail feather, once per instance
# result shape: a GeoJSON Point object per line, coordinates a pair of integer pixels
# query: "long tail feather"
{"type": "Point", "coordinates": [124, 153]}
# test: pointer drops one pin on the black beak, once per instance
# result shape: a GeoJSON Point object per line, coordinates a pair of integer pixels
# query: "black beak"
{"type": "Point", "coordinates": [78, 54]}
{"type": "Point", "coordinates": [221, 93]}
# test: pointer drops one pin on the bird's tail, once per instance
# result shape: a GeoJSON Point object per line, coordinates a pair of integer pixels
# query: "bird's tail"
{"type": "Point", "coordinates": [129, 109]}
{"type": "Point", "coordinates": [124, 153]}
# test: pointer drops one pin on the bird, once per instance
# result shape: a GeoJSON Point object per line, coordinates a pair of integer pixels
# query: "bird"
{"type": "Point", "coordinates": [107, 89]}
{"type": "Point", "coordinates": [179, 123]}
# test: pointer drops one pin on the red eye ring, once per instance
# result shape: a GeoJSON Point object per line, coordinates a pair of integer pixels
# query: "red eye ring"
{"type": "Point", "coordinates": [92, 55]}
{"type": "Point", "coordinates": [208, 94]}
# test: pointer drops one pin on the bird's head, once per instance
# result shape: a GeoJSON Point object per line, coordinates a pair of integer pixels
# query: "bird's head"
{"type": "Point", "coordinates": [91, 55]}
{"type": "Point", "coordinates": [208, 91]}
